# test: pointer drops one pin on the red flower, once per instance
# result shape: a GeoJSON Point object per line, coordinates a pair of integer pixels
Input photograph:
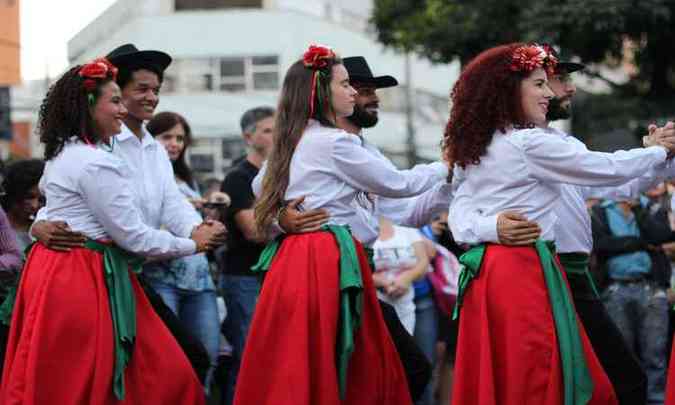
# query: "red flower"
{"type": "Point", "coordinates": [317, 56]}
{"type": "Point", "coordinates": [99, 68]}
{"type": "Point", "coordinates": [530, 57]}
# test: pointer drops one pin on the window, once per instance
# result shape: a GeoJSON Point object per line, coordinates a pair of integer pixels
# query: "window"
{"type": "Point", "coordinates": [228, 74]}
{"type": "Point", "coordinates": [214, 4]}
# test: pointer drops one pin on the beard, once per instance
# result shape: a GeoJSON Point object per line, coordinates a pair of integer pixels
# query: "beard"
{"type": "Point", "coordinates": [556, 111]}
{"type": "Point", "coordinates": [362, 118]}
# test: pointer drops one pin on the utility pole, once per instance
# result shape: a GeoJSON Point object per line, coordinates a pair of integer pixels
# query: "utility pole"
{"type": "Point", "coordinates": [411, 146]}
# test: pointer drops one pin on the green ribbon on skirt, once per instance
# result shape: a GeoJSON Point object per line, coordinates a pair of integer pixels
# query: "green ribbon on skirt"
{"type": "Point", "coordinates": [577, 263]}
{"type": "Point", "coordinates": [577, 382]}
{"type": "Point", "coordinates": [351, 295]}
{"type": "Point", "coordinates": [7, 305]}
{"type": "Point", "coordinates": [117, 263]}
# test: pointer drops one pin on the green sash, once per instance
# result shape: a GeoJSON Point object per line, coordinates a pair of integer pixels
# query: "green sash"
{"type": "Point", "coordinates": [8, 305]}
{"type": "Point", "coordinates": [578, 385]}
{"type": "Point", "coordinates": [577, 263]}
{"type": "Point", "coordinates": [117, 263]}
{"type": "Point", "coordinates": [351, 295]}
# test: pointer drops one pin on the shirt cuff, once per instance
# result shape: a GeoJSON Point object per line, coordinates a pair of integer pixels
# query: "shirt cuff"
{"type": "Point", "coordinates": [659, 151]}
{"type": "Point", "coordinates": [486, 227]}
{"type": "Point", "coordinates": [186, 247]}
{"type": "Point", "coordinates": [441, 169]}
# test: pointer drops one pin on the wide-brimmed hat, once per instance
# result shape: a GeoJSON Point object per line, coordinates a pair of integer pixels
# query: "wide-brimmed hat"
{"type": "Point", "coordinates": [566, 65]}
{"type": "Point", "coordinates": [128, 56]}
{"type": "Point", "coordinates": [360, 72]}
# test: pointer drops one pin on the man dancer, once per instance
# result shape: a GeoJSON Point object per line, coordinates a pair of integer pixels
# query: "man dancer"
{"type": "Point", "coordinates": [574, 244]}
{"type": "Point", "coordinates": [162, 204]}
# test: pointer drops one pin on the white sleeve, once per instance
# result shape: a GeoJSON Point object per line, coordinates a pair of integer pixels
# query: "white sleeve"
{"type": "Point", "coordinates": [366, 172]}
{"type": "Point", "coordinates": [177, 215]}
{"type": "Point", "coordinates": [107, 190]}
{"type": "Point", "coordinates": [550, 158]}
{"type": "Point", "coordinates": [416, 211]}
{"type": "Point", "coordinates": [632, 189]}
{"type": "Point", "coordinates": [256, 184]}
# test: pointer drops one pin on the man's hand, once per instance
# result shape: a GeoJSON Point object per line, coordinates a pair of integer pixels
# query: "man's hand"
{"type": "Point", "coordinates": [292, 220]}
{"type": "Point", "coordinates": [663, 136]}
{"type": "Point", "coordinates": [514, 229]}
{"type": "Point", "coordinates": [209, 235]}
{"type": "Point", "coordinates": [399, 286]}
{"type": "Point", "coordinates": [57, 235]}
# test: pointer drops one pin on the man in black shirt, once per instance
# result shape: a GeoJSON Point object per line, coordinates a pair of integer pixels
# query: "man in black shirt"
{"type": "Point", "coordinates": [240, 285]}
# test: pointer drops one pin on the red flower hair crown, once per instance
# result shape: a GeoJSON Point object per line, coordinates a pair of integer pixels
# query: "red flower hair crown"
{"type": "Point", "coordinates": [529, 57]}
{"type": "Point", "coordinates": [316, 58]}
{"type": "Point", "coordinates": [96, 70]}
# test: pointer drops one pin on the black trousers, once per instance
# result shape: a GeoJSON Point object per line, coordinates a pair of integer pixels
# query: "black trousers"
{"type": "Point", "coordinates": [192, 347]}
{"type": "Point", "coordinates": [416, 365]}
{"type": "Point", "coordinates": [618, 360]}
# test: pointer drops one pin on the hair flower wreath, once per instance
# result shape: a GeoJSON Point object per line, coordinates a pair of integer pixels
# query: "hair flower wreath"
{"type": "Point", "coordinates": [95, 70]}
{"type": "Point", "coordinates": [316, 58]}
{"type": "Point", "coordinates": [529, 57]}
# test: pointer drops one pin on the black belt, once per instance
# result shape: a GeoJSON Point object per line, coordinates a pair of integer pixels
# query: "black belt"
{"type": "Point", "coordinates": [628, 281]}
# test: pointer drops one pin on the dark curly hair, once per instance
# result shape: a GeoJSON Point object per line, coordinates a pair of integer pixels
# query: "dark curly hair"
{"type": "Point", "coordinates": [20, 177]}
{"type": "Point", "coordinates": [486, 98]}
{"type": "Point", "coordinates": [64, 112]}
{"type": "Point", "coordinates": [163, 122]}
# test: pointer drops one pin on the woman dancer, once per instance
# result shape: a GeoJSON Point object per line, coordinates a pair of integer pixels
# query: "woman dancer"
{"type": "Point", "coordinates": [82, 329]}
{"type": "Point", "coordinates": [519, 339]}
{"type": "Point", "coordinates": [318, 336]}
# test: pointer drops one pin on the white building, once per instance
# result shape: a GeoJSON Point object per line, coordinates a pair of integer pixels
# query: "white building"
{"type": "Point", "coordinates": [231, 55]}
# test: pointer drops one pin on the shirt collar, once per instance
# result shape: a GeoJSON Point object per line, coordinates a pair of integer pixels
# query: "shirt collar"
{"type": "Point", "coordinates": [127, 134]}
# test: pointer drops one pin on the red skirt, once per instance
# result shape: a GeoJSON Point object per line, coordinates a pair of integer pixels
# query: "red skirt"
{"type": "Point", "coordinates": [507, 352]}
{"type": "Point", "coordinates": [670, 385]}
{"type": "Point", "coordinates": [289, 358]}
{"type": "Point", "coordinates": [61, 348]}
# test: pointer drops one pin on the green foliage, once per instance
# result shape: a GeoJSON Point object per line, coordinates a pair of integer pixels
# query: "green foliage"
{"type": "Point", "coordinates": [596, 31]}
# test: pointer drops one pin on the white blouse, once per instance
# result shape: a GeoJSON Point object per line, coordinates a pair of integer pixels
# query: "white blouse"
{"type": "Point", "coordinates": [573, 231]}
{"type": "Point", "coordinates": [331, 167]}
{"type": "Point", "coordinates": [524, 171]}
{"type": "Point", "coordinates": [91, 190]}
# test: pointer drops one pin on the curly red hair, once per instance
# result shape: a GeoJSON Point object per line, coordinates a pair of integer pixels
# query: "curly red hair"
{"type": "Point", "coordinates": [486, 98]}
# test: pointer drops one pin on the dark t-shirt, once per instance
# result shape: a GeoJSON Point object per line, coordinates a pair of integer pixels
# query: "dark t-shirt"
{"type": "Point", "coordinates": [241, 254]}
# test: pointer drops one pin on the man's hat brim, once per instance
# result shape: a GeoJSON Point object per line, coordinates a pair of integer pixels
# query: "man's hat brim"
{"type": "Point", "coordinates": [128, 56]}
{"type": "Point", "coordinates": [570, 67]}
{"type": "Point", "coordinates": [379, 82]}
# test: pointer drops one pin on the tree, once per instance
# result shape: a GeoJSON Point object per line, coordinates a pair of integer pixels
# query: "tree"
{"type": "Point", "coordinates": [641, 32]}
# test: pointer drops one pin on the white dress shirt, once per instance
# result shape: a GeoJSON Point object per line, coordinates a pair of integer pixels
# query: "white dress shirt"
{"type": "Point", "coordinates": [153, 181]}
{"type": "Point", "coordinates": [525, 170]}
{"type": "Point", "coordinates": [331, 167]}
{"type": "Point", "coordinates": [92, 191]}
{"type": "Point", "coordinates": [573, 230]}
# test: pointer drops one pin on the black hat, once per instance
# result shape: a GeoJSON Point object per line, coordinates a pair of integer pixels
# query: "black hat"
{"type": "Point", "coordinates": [128, 56]}
{"type": "Point", "coordinates": [566, 66]}
{"type": "Point", "coordinates": [359, 72]}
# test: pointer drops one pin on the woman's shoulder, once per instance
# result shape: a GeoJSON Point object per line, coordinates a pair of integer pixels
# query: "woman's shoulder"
{"type": "Point", "coordinates": [524, 137]}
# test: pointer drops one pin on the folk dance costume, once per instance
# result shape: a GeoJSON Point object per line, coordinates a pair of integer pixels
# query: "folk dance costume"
{"type": "Point", "coordinates": [82, 329]}
{"type": "Point", "coordinates": [519, 340]}
{"type": "Point", "coordinates": [574, 243]}
{"type": "Point", "coordinates": [317, 335]}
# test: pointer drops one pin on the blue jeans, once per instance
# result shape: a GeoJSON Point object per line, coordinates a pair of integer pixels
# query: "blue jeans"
{"type": "Point", "coordinates": [198, 311]}
{"type": "Point", "coordinates": [640, 311]}
{"type": "Point", "coordinates": [426, 331]}
{"type": "Point", "coordinates": [240, 294]}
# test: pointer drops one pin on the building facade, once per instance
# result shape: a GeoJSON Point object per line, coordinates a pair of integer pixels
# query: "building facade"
{"type": "Point", "coordinates": [231, 55]}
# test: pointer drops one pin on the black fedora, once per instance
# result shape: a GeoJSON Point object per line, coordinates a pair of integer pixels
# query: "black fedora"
{"type": "Point", "coordinates": [359, 72]}
{"type": "Point", "coordinates": [128, 56]}
{"type": "Point", "coordinates": [566, 66]}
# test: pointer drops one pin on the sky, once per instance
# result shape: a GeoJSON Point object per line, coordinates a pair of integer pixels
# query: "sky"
{"type": "Point", "coordinates": [46, 27]}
